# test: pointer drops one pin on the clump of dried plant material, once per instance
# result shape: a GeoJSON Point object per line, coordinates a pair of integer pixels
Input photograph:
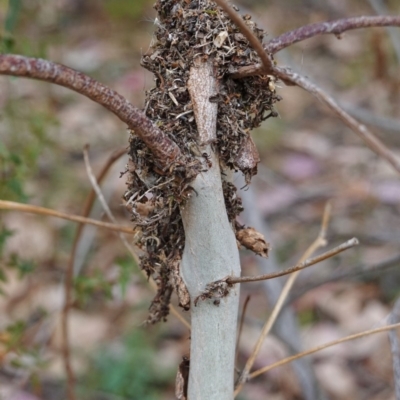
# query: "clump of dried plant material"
{"type": "Point", "coordinates": [253, 240]}
{"type": "Point", "coordinates": [215, 291]}
{"type": "Point", "coordinates": [189, 30]}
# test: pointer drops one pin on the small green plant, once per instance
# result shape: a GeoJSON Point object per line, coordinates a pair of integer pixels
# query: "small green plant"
{"type": "Point", "coordinates": [127, 371]}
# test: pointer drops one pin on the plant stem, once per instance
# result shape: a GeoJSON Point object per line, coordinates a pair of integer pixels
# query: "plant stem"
{"type": "Point", "coordinates": [210, 253]}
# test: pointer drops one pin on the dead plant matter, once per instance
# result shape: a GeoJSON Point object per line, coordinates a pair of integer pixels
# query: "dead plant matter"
{"type": "Point", "coordinates": [186, 31]}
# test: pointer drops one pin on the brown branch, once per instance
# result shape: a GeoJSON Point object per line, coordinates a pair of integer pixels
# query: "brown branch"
{"type": "Point", "coordinates": [292, 78]}
{"type": "Point", "coordinates": [322, 347]}
{"type": "Point", "coordinates": [11, 205]}
{"type": "Point", "coordinates": [349, 273]}
{"type": "Point", "coordinates": [320, 28]}
{"type": "Point", "coordinates": [163, 148]}
{"type": "Point", "coordinates": [305, 32]}
{"type": "Point", "coordinates": [376, 145]}
{"type": "Point", "coordinates": [305, 264]}
{"type": "Point", "coordinates": [336, 27]}
{"type": "Point", "coordinates": [267, 63]}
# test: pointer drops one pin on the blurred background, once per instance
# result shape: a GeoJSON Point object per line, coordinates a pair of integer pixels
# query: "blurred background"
{"type": "Point", "coordinates": [308, 157]}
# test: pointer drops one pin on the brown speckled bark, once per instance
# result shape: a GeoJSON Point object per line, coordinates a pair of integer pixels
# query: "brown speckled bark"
{"type": "Point", "coordinates": [163, 148]}
{"type": "Point", "coordinates": [330, 27]}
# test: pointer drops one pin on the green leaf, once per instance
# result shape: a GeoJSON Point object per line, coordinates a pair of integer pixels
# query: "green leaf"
{"type": "Point", "coordinates": [7, 40]}
{"type": "Point", "coordinates": [87, 287]}
{"type": "Point", "coordinates": [16, 331]}
{"type": "Point", "coordinates": [4, 235]}
{"type": "Point", "coordinates": [14, 7]}
{"type": "Point", "coordinates": [127, 268]}
{"type": "Point", "coordinates": [24, 267]}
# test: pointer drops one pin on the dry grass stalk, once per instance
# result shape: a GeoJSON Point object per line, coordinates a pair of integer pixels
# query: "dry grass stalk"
{"type": "Point", "coordinates": [320, 241]}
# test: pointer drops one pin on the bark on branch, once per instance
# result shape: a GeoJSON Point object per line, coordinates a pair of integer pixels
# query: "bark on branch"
{"type": "Point", "coordinates": [163, 148]}
{"type": "Point", "coordinates": [291, 78]}
{"type": "Point", "coordinates": [336, 27]}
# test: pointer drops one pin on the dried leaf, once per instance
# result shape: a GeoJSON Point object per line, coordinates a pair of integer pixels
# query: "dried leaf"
{"type": "Point", "coordinates": [180, 287]}
{"type": "Point", "coordinates": [220, 39]}
{"type": "Point", "coordinates": [248, 158]}
{"type": "Point", "coordinates": [182, 378]}
{"type": "Point", "coordinates": [253, 240]}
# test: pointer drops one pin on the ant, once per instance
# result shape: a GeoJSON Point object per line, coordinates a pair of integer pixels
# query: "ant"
{"type": "Point", "coordinates": [207, 158]}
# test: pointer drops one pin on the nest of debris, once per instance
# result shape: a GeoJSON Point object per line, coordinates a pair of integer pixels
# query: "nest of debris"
{"type": "Point", "coordinates": [187, 30]}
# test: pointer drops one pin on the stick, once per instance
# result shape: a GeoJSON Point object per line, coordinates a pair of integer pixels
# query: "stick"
{"type": "Point", "coordinates": [361, 130]}
{"type": "Point", "coordinates": [267, 64]}
{"type": "Point", "coordinates": [165, 150]}
{"type": "Point", "coordinates": [336, 27]}
{"type": "Point", "coordinates": [12, 205]}
{"type": "Point", "coordinates": [298, 267]}
{"type": "Point", "coordinates": [322, 347]}
{"type": "Point", "coordinates": [320, 28]}
{"type": "Point", "coordinates": [318, 242]}
{"type": "Point", "coordinates": [68, 282]}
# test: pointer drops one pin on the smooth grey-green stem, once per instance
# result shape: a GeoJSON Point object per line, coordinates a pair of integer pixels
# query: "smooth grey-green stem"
{"type": "Point", "coordinates": [210, 254]}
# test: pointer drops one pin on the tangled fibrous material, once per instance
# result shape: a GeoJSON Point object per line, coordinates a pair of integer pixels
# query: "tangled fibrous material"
{"type": "Point", "coordinates": [189, 31]}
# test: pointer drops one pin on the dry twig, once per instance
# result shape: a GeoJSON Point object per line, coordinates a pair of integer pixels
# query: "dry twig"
{"type": "Point", "coordinates": [68, 282]}
{"type": "Point", "coordinates": [298, 267]}
{"type": "Point", "coordinates": [336, 27]}
{"type": "Point", "coordinates": [376, 145]}
{"type": "Point", "coordinates": [12, 205]}
{"type": "Point", "coordinates": [292, 78]}
{"type": "Point", "coordinates": [107, 210]}
{"type": "Point", "coordinates": [319, 242]}
{"type": "Point", "coordinates": [322, 347]}
{"type": "Point", "coordinates": [347, 274]}
{"type": "Point", "coordinates": [267, 63]}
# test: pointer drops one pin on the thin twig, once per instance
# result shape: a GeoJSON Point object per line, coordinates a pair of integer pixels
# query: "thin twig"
{"type": "Point", "coordinates": [322, 347]}
{"type": "Point", "coordinates": [320, 241]}
{"type": "Point", "coordinates": [298, 267]}
{"type": "Point", "coordinates": [286, 326]}
{"type": "Point", "coordinates": [347, 274]}
{"type": "Point", "coordinates": [320, 28]}
{"type": "Point", "coordinates": [267, 63]}
{"type": "Point", "coordinates": [246, 302]}
{"type": "Point", "coordinates": [336, 27]}
{"type": "Point", "coordinates": [12, 205]}
{"type": "Point", "coordinates": [376, 145]}
{"type": "Point", "coordinates": [107, 210]}
{"type": "Point", "coordinates": [164, 149]}
{"type": "Point", "coordinates": [292, 78]}
{"type": "Point", "coordinates": [69, 275]}
{"type": "Point", "coordinates": [370, 118]}
{"type": "Point", "coordinates": [90, 199]}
